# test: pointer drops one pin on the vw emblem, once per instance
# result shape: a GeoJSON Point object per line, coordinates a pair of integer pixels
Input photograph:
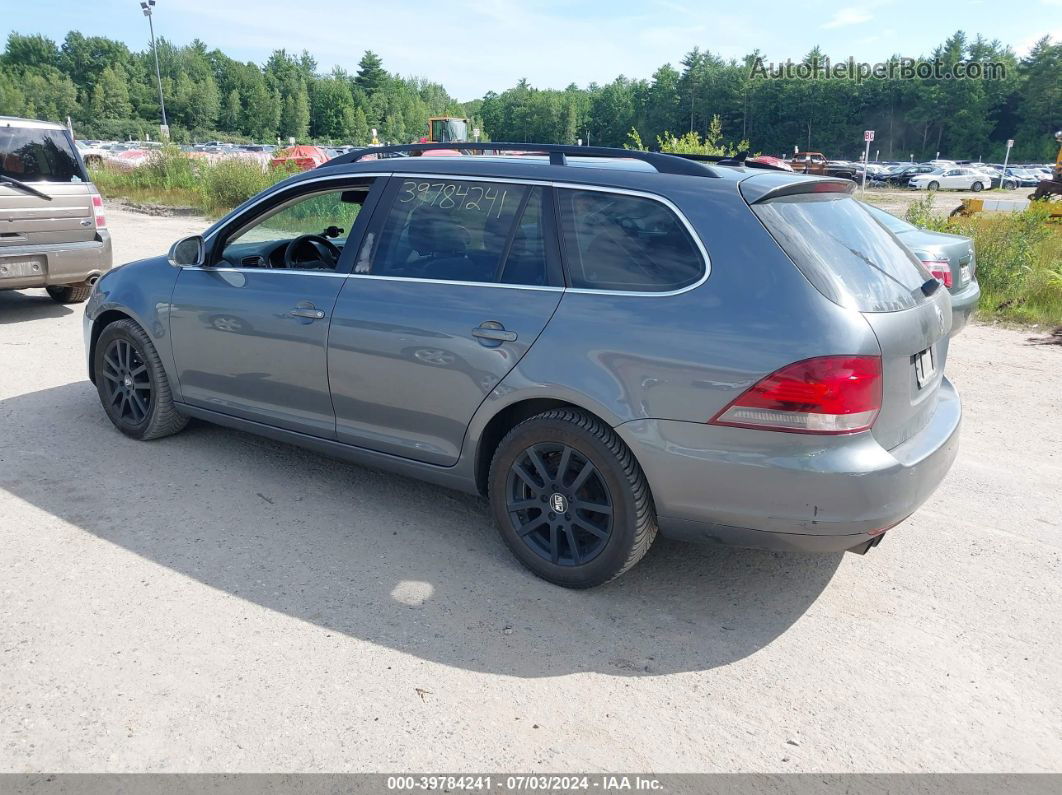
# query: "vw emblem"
{"type": "Point", "coordinates": [558, 503]}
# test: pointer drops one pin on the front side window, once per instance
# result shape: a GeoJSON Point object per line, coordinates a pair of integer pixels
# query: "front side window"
{"type": "Point", "coordinates": [464, 231]}
{"type": "Point", "coordinates": [38, 155]}
{"type": "Point", "coordinates": [615, 241]}
{"type": "Point", "coordinates": [304, 233]}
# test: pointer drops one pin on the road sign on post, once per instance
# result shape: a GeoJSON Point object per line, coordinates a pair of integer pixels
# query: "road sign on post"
{"type": "Point", "coordinates": [868, 136]}
{"type": "Point", "coordinates": [1006, 159]}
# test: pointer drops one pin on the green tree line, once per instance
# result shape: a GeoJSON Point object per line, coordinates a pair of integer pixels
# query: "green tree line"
{"type": "Point", "coordinates": [971, 118]}
{"type": "Point", "coordinates": [109, 91]}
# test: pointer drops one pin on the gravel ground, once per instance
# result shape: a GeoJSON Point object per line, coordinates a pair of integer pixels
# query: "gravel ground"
{"type": "Point", "coordinates": [897, 200]}
{"type": "Point", "coordinates": [219, 602]}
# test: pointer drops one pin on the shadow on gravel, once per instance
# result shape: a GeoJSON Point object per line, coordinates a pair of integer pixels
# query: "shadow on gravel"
{"type": "Point", "coordinates": [17, 307]}
{"type": "Point", "coordinates": [384, 559]}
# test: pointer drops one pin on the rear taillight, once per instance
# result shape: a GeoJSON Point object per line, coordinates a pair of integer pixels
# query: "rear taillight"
{"type": "Point", "coordinates": [941, 271]}
{"type": "Point", "coordinates": [97, 209]}
{"type": "Point", "coordinates": [827, 394]}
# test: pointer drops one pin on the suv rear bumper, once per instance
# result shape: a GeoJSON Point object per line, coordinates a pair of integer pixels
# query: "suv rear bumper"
{"type": "Point", "coordinates": [55, 263]}
{"type": "Point", "coordinates": [790, 491]}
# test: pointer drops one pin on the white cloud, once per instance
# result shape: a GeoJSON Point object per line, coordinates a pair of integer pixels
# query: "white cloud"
{"type": "Point", "coordinates": [1023, 47]}
{"type": "Point", "coordinates": [848, 16]}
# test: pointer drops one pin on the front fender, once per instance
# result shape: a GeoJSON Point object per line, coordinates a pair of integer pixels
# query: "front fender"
{"type": "Point", "coordinates": [140, 291]}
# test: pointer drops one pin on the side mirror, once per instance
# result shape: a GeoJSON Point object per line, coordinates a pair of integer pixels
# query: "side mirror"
{"type": "Point", "coordinates": [188, 252]}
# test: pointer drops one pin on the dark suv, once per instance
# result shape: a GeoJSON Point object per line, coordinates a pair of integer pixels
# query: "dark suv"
{"type": "Point", "coordinates": [605, 343]}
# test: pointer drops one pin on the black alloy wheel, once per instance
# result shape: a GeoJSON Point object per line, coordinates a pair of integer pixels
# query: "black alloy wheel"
{"type": "Point", "coordinates": [559, 504]}
{"type": "Point", "coordinates": [128, 393]}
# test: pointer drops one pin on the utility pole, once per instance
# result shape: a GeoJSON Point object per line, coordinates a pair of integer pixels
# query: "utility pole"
{"type": "Point", "coordinates": [148, 6]}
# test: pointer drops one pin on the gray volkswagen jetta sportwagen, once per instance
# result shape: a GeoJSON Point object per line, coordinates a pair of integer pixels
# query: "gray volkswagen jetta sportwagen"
{"type": "Point", "coordinates": [604, 343]}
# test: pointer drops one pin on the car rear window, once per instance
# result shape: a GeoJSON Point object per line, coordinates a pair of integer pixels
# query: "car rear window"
{"type": "Point", "coordinates": [849, 257]}
{"type": "Point", "coordinates": [615, 241]}
{"type": "Point", "coordinates": [38, 155]}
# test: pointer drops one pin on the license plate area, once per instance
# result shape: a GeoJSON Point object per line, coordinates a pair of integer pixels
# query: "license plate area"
{"type": "Point", "coordinates": [924, 367]}
{"type": "Point", "coordinates": [20, 268]}
{"type": "Point", "coordinates": [964, 274]}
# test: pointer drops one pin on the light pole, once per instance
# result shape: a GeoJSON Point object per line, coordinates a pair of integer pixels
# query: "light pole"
{"type": "Point", "coordinates": [147, 6]}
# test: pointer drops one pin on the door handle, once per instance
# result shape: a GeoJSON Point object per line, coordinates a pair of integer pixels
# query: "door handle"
{"type": "Point", "coordinates": [494, 331]}
{"type": "Point", "coordinates": [311, 312]}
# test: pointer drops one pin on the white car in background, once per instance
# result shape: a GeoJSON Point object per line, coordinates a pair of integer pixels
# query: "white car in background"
{"type": "Point", "coordinates": [954, 178]}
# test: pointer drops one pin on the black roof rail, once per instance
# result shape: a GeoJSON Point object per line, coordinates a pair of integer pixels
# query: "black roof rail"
{"type": "Point", "coordinates": [558, 154]}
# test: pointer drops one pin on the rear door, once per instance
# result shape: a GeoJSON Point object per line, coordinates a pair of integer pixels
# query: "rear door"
{"type": "Point", "coordinates": [449, 291]}
{"type": "Point", "coordinates": [856, 262]}
{"type": "Point", "coordinates": [44, 159]}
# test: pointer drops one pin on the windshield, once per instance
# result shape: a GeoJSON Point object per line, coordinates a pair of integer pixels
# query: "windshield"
{"type": "Point", "coordinates": [447, 130]}
{"type": "Point", "coordinates": [888, 220]}
{"type": "Point", "coordinates": [31, 154]}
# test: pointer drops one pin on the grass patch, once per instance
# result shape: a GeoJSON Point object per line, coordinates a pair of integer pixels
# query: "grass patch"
{"type": "Point", "coordinates": [172, 179]}
{"type": "Point", "coordinates": [1019, 259]}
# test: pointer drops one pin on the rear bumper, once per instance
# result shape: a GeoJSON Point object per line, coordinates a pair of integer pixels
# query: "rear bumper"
{"type": "Point", "coordinates": [789, 491]}
{"type": "Point", "coordinates": [23, 267]}
{"type": "Point", "coordinates": [963, 305]}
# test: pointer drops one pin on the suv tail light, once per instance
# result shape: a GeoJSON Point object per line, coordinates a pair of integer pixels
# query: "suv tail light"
{"type": "Point", "coordinates": [97, 209]}
{"type": "Point", "coordinates": [827, 394]}
{"type": "Point", "coordinates": [941, 271]}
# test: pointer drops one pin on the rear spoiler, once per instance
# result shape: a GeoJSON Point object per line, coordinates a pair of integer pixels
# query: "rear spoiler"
{"type": "Point", "coordinates": [764, 187]}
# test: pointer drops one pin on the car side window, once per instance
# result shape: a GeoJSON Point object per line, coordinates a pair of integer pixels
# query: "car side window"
{"type": "Point", "coordinates": [615, 241]}
{"type": "Point", "coordinates": [307, 232]}
{"type": "Point", "coordinates": [466, 231]}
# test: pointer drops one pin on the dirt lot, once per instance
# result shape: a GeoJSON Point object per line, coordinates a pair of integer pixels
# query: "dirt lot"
{"type": "Point", "coordinates": [896, 201]}
{"type": "Point", "coordinates": [218, 602]}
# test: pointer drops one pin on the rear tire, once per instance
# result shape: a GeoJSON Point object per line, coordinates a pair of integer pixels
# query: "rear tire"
{"type": "Point", "coordinates": [132, 383]}
{"type": "Point", "coordinates": [977, 186]}
{"type": "Point", "coordinates": [70, 293]}
{"type": "Point", "coordinates": [570, 500]}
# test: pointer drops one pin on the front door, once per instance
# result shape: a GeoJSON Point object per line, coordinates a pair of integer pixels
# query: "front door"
{"type": "Point", "coordinates": [448, 293]}
{"type": "Point", "coordinates": [250, 328]}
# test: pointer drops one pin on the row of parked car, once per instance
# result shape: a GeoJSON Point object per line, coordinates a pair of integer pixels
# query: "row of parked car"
{"type": "Point", "coordinates": [947, 174]}
{"type": "Point", "coordinates": [132, 154]}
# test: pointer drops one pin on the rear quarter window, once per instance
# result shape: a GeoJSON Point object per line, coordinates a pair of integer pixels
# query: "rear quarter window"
{"type": "Point", "coordinates": [615, 241]}
{"type": "Point", "coordinates": [847, 255]}
{"type": "Point", "coordinates": [32, 154]}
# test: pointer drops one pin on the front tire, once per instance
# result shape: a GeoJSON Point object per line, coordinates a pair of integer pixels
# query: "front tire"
{"type": "Point", "coordinates": [70, 293]}
{"type": "Point", "coordinates": [132, 383]}
{"type": "Point", "coordinates": [570, 500]}
{"type": "Point", "coordinates": [977, 186]}
{"type": "Point", "coordinates": [934, 185]}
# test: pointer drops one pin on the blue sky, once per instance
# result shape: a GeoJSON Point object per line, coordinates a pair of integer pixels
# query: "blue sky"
{"type": "Point", "coordinates": [472, 46]}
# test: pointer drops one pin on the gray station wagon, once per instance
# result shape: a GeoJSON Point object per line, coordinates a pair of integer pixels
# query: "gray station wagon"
{"type": "Point", "coordinates": [53, 232]}
{"type": "Point", "coordinates": [606, 344]}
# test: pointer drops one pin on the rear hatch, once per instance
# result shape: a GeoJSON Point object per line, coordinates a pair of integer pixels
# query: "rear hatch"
{"type": "Point", "coordinates": [857, 263]}
{"type": "Point", "coordinates": [38, 160]}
